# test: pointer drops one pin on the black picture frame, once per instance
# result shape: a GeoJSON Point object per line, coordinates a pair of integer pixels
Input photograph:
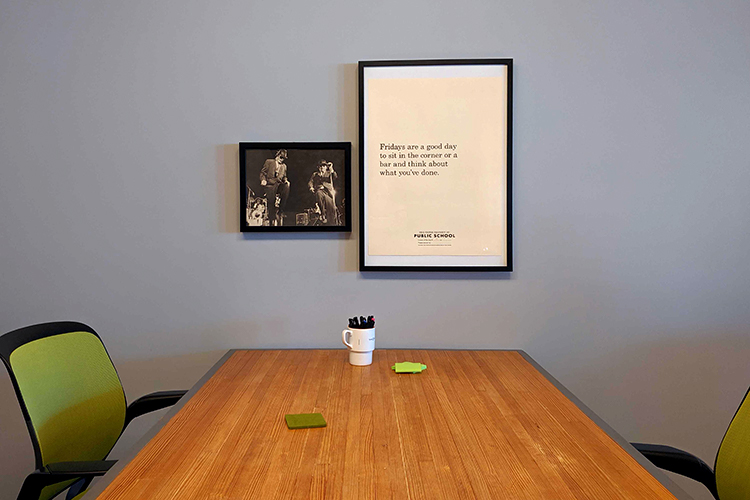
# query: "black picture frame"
{"type": "Point", "coordinates": [299, 205]}
{"type": "Point", "coordinates": [442, 68]}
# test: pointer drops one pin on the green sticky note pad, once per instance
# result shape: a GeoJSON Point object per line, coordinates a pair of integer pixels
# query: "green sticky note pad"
{"type": "Point", "coordinates": [305, 420]}
{"type": "Point", "coordinates": [408, 367]}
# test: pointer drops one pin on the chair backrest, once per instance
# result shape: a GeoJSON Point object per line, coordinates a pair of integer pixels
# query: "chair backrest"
{"type": "Point", "coordinates": [732, 466]}
{"type": "Point", "coordinates": [70, 394]}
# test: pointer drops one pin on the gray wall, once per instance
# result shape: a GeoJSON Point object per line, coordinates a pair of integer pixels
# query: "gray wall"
{"type": "Point", "coordinates": [119, 192]}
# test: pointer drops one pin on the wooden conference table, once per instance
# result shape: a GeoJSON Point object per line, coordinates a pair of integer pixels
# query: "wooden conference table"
{"type": "Point", "coordinates": [475, 424]}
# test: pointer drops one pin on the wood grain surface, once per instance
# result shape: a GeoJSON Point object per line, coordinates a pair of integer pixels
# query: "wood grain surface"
{"type": "Point", "coordinates": [475, 424]}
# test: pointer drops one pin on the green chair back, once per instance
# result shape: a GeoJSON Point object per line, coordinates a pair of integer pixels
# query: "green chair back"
{"type": "Point", "coordinates": [732, 467]}
{"type": "Point", "coordinates": [69, 392]}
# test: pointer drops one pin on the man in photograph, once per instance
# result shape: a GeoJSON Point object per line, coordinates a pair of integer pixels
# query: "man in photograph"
{"type": "Point", "coordinates": [321, 185]}
{"type": "Point", "coordinates": [274, 180]}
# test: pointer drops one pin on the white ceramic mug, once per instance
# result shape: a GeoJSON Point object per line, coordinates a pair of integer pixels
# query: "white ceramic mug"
{"type": "Point", "coordinates": [361, 343]}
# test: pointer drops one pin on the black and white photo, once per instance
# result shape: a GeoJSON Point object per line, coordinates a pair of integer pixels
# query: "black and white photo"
{"type": "Point", "coordinates": [295, 186]}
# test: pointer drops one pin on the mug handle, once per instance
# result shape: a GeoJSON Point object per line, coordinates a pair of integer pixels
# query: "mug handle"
{"type": "Point", "coordinates": [343, 337]}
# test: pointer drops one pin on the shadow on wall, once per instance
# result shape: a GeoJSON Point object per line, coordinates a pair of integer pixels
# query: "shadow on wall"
{"type": "Point", "coordinates": [138, 377]}
{"type": "Point", "coordinates": [681, 390]}
{"type": "Point", "coordinates": [228, 182]}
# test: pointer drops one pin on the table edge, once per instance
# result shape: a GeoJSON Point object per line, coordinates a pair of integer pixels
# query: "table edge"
{"type": "Point", "coordinates": [658, 474]}
{"type": "Point", "coordinates": [100, 484]}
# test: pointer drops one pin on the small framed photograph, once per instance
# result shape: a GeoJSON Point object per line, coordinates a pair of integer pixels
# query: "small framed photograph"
{"type": "Point", "coordinates": [295, 186]}
{"type": "Point", "coordinates": [435, 141]}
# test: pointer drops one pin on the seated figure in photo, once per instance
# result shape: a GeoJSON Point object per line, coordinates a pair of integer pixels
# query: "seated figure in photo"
{"type": "Point", "coordinates": [256, 209]}
{"type": "Point", "coordinates": [321, 185]}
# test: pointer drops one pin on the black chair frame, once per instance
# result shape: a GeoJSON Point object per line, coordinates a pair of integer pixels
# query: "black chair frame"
{"type": "Point", "coordinates": [684, 463]}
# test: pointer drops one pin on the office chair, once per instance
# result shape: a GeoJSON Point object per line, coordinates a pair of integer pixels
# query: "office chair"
{"type": "Point", "coordinates": [730, 478]}
{"type": "Point", "coordinates": [73, 403]}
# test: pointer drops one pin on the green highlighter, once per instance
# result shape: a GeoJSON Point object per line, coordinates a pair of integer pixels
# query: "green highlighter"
{"type": "Point", "coordinates": [408, 367]}
{"type": "Point", "coordinates": [305, 420]}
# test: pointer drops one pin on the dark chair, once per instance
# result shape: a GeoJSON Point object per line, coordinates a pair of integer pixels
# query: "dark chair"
{"type": "Point", "coordinates": [730, 477]}
{"type": "Point", "coordinates": [73, 403]}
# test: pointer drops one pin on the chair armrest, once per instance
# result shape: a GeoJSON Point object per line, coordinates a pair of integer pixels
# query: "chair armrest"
{"type": "Point", "coordinates": [75, 469]}
{"type": "Point", "coordinates": [151, 402]}
{"type": "Point", "coordinates": [680, 462]}
{"type": "Point", "coordinates": [59, 472]}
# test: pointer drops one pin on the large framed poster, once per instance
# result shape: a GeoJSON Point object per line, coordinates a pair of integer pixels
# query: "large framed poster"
{"type": "Point", "coordinates": [435, 165]}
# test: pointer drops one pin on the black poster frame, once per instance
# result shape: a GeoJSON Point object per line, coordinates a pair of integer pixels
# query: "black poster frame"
{"type": "Point", "coordinates": [364, 265]}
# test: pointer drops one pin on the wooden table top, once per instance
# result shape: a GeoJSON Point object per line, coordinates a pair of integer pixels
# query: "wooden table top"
{"type": "Point", "coordinates": [475, 424]}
